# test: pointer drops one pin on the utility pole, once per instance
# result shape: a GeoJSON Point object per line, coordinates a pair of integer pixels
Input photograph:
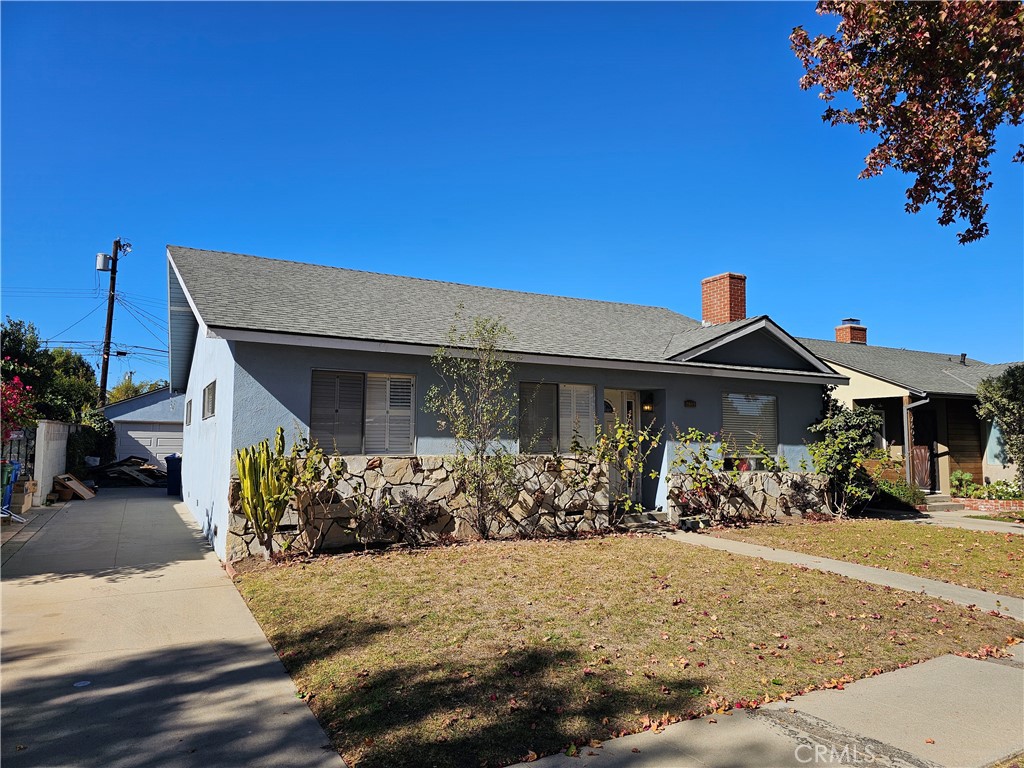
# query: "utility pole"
{"type": "Point", "coordinates": [103, 264]}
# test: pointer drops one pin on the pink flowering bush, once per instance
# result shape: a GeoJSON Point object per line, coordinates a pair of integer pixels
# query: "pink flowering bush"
{"type": "Point", "coordinates": [17, 403]}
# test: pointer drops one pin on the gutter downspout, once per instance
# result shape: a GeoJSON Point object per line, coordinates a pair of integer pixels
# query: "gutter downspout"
{"type": "Point", "coordinates": [907, 436]}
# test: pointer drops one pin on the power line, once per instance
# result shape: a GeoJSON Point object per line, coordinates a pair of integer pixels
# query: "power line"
{"type": "Point", "coordinates": [131, 312]}
{"type": "Point", "coordinates": [148, 315]}
{"type": "Point", "coordinates": [94, 309]}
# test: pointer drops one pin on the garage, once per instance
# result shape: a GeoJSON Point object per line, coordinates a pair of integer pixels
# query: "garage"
{"type": "Point", "coordinates": [149, 440]}
{"type": "Point", "coordinates": [148, 426]}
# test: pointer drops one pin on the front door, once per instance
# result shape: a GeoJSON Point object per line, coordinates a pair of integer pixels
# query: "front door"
{"type": "Point", "coordinates": [925, 434]}
{"type": "Point", "coordinates": [623, 405]}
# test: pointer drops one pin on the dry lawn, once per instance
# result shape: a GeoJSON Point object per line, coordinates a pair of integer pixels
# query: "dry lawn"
{"type": "Point", "coordinates": [490, 653]}
{"type": "Point", "coordinates": [993, 562]}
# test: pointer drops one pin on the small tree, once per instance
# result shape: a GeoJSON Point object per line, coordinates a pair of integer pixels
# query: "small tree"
{"type": "Point", "coordinates": [313, 478]}
{"type": "Point", "coordinates": [128, 387]}
{"type": "Point", "coordinates": [477, 406]}
{"type": "Point", "coordinates": [1001, 399]}
{"type": "Point", "coordinates": [705, 485]}
{"type": "Point", "coordinates": [846, 441]}
{"type": "Point", "coordinates": [624, 450]}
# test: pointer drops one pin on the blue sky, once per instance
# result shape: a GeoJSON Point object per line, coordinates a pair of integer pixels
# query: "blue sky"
{"type": "Point", "coordinates": [606, 151]}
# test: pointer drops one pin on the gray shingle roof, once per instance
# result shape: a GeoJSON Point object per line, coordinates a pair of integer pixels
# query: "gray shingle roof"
{"type": "Point", "coordinates": [235, 291]}
{"type": "Point", "coordinates": [701, 334]}
{"type": "Point", "coordinates": [929, 372]}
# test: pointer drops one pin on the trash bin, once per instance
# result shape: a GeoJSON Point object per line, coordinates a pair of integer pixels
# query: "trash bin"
{"type": "Point", "coordinates": [173, 475]}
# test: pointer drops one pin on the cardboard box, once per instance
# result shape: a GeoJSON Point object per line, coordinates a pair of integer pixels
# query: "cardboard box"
{"type": "Point", "coordinates": [26, 486]}
{"type": "Point", "coordinates": [21, 502]}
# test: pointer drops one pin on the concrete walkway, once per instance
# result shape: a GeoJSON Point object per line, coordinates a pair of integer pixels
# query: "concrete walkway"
{"type": "Point", "coordinates": [125, 645]}
{"type": "Point", "coordinates": [986, 601]}
{"type": "Point", "coordinates": [961, 519]}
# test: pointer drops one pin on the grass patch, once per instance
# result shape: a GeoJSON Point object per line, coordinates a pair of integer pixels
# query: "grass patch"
{"type": "Point", "coordinates": [1003, 517]}
{"type": "Point", "coordinates": [484, 653]}
{"type": "Point", "coordinates": [990, 561]}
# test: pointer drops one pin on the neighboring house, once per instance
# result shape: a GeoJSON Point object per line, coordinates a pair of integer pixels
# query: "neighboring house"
{"type": "Point", "coordinates": [148, 425]}
{"type": "Point", "coordinates": [927, 400]}
{"type": "Point", "coordinates": [344, 356]}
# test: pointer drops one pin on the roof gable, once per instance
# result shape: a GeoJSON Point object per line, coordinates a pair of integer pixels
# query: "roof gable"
{"type": "Point", "coordinates": [757, 341]}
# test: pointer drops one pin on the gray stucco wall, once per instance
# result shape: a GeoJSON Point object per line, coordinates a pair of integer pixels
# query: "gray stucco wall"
{"type": "Point", "coordinates": [207, 448]}
{"type": "Point", "coordinates": [272, 386]}
{"type": "Point", "coordinates": [757, 349]}
{"type": "Point", "coordinates": [160, 406]}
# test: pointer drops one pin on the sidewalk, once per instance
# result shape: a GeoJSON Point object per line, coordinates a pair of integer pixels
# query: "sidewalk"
{"type": "Point", "coordinates": [950, 712]}
{"type": "Point", "coordinates": [126, 646]}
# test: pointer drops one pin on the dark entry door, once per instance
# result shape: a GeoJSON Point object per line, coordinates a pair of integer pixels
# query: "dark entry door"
{"type": "Point", "coordinates": [925, 435]}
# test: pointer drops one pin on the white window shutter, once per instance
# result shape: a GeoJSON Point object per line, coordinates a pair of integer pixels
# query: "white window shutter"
{"type": "Point", "coordinates": [390, 416]}
{"type": "Point", "coordinates": [400, 414]}
{"type": "Point", "coordinates": [376, 436]}
{"type": "Point", "coordinates": [575, 414]}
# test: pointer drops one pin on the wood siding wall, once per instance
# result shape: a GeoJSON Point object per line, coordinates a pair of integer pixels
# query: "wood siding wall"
{"type": "Point", "coordinates": [964, 430]}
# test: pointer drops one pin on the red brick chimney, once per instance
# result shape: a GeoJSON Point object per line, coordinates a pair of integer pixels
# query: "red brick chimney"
{"type": "Point", "coordinates": [851, 332]}
{"type": "Point", "coordinates": [723, 298]}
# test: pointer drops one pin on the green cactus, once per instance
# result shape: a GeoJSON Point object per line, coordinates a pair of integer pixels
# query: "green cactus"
{"type": "Point", "coordinates": [266, 488]}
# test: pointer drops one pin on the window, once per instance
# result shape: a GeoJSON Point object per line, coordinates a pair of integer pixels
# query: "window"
{"type": "Point", "coordinates": [389, 414]}
{"type": "Point", "coordinates": [210, 399]}
{"type": "Point", "coordinates": [538, 418]}
{"type": "Point", "coordinates": [749, 419]}
{"type": "Point", "coordinates": [550, 414]}
{"type": "Point", "coordinates": [575, 414]}
{"type": "Point", "coordinates": [356, 413]}
{"type": "Point", "coordinates": [188, 412]}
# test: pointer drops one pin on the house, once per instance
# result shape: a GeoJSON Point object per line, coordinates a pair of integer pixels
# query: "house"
{"type": "Point", "coordinates": [148, 425]}
{"type": "Point", "coordinates": [927, 401]}
{"type": "Point", "coordinates": [344, 356]}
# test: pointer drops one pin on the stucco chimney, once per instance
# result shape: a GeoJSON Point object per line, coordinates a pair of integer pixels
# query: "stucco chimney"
{"type": "Point", "coordinates": [723, 298]}
{"type": "Point", "coordinates": [851, 332]}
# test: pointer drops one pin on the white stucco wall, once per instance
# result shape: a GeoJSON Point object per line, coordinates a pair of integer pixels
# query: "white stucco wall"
{"type": "Point", "coordinates": [51, 455]}
{"type": "Point", "coordinates": [206, 443]}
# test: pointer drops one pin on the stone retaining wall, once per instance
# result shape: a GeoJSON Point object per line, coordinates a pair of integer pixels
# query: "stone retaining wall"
{"type": "Point", "coordinates": [758, 495]}
{"type": "Point", "coordinates": [557, 495]}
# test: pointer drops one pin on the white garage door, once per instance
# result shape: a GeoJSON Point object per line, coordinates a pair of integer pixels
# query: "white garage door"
{"type": "Point", "coordinates": [150, 440]}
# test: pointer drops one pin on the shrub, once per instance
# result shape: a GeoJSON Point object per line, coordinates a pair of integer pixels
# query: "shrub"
{"type": "Point", "coordinates": [265, 487]}
{"type": "Point", "coordinates": [845, 443]}
{"type": "Point", "coordinates": [962, 484]}
{"type": "Point", "coordinates": [95, 437]}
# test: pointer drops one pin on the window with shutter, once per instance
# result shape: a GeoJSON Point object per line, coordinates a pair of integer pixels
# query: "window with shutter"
{"type": "Point", "coordinates": [390, 417]}
{"type": "Point", "coordinates": [538, 418]}
{"type": "Point", "coordinates": [576, 414]}
{"type": "Point", "coordinates": [336, 411]}
{"type": "Point", "coordinates": [747, 419]}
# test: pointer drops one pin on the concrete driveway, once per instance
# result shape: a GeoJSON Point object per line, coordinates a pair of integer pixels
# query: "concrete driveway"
{"type": "Point", "coordinates": [126, 645]}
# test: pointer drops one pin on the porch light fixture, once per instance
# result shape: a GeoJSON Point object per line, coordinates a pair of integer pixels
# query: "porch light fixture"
{"type": "Point", "coordinates": [689, 403]}
{"type": "Point", "coordinates": [647, 406]}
